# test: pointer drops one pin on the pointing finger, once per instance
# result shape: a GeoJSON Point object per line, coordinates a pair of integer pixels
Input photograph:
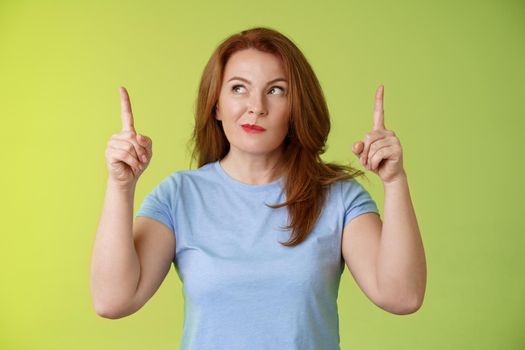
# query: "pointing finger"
{"type": "Point", "coordinates": [125, 111]}
{"type": "Point", "coordinates": [379, 113]}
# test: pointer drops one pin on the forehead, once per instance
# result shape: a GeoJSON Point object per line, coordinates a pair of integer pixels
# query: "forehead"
{"type": "Point", "coordinates": [254, 63]}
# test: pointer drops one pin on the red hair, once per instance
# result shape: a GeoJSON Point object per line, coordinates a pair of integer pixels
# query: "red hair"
{"type": "Point", "coordinates": [306, 176]}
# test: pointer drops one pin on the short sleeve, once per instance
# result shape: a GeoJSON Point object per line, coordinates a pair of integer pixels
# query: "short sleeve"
{"type": "Point", "coordinates": [356, 200]}
{"type": "Point", "coordinates": [159, 203]}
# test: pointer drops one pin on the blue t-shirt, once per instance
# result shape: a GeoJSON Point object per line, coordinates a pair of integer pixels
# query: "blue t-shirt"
{"type": "Point", "coordinates": [243, 289]}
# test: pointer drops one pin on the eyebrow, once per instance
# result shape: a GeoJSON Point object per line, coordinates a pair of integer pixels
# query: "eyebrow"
{"type": "Point", "coordinates": [249, 82]}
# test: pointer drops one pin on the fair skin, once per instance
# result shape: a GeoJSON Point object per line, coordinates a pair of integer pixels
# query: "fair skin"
{"type": "Point", "coordinates": [253, 91]}
{"type": "Point", "coordinates": [387, 259]}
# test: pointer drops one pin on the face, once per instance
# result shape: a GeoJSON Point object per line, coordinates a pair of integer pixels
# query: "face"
{"type": "Point", "coordinates": [254, 92]}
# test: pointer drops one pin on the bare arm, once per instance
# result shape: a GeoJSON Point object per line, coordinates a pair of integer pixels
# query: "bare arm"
{"type": "Point", "coordinates": [401, 265]}
{"type": "Point", "coordinates": [387, 258]}
{"type": "Point", "coordinates": [115, 267]}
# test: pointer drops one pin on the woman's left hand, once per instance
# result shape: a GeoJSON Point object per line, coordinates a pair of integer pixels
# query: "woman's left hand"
{"type": "Point", "coordinates": [381, 150]}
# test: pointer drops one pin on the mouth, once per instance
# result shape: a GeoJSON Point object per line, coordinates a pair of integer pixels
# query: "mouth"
{"type": "Point", "coordinates": [253, 128]}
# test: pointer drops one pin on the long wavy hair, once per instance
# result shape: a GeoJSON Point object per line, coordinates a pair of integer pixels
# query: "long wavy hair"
{"type": "Point", "coordinates": [306, 176]}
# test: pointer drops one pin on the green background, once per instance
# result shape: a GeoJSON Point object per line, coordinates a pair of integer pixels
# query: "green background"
{"type": "Point", "coordinates": [454, 94]}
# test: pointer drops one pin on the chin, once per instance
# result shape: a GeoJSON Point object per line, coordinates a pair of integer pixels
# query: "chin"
{"type": "Point", "coordinates": [256, 149]}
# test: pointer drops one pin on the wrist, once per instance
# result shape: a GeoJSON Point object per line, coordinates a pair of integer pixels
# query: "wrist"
{"type": "Point", "coordinates": [395, 181]}
{"type": "Point", "coordinates": [113, 185]}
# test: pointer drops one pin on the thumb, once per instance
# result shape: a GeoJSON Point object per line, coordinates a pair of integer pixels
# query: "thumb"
{"type": "Point", "coordinates": [358, 147]}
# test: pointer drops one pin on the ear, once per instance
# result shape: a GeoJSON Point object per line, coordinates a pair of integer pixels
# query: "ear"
{"type": "Point", "coordinates": [217, 115]}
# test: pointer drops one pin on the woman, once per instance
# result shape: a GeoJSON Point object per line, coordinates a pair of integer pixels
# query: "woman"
{"type": "Point", "coordinates": [260, 232]}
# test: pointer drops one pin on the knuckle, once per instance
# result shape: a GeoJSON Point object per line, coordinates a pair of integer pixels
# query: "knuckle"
{"type": "Point", "coordinates": [120, 154]}
{"type": "Point", "coordinates": [144, 140]}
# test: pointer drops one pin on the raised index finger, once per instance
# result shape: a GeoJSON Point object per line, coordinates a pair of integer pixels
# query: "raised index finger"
{"type": "Point", "coordinates": [379, 113]}
{"type": "Point", "coordinates": [125, 111]}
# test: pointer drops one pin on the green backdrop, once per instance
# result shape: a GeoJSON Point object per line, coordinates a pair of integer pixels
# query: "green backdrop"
{"type": "Point", "coordinates": [454, 94]}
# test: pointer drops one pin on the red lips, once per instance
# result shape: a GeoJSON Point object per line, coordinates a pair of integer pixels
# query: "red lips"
{"type": "Point", "coordinates": [253, 127]}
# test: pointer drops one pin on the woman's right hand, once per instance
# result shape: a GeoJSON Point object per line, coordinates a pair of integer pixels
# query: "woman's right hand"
{"type": "Point", "coordinates": [127, 153]}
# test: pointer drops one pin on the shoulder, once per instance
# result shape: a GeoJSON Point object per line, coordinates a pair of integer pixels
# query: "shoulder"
{"type": "Point", "coordinates": [203, 174]}
{"type": "Point", "coordinates": [352, 183]}
{"type": "Point", "coordinates": [355, 199]}
{"type": "Point", "coordinates": [346, 192]}
{"type": "Point", "coordinates": [188, 180]}
{"type": "Point", "coordinates": [179, 176]}
{"type": "Point", "coordinates": [350, 188]}
{"type": "Point", "coordinates": [346, 189]}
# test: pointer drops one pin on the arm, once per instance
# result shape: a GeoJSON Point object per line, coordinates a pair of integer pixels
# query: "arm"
{"type": "Point", "coordinates": [387, 259]}
{"type": "Point", "coordinates": [129, 261]}
{"type": "Point", "coordinates": [393, 251]}
{"type": "Point", "coordinates": [401, 265]}
{"type": "Point", "coordinates": [115, 267]}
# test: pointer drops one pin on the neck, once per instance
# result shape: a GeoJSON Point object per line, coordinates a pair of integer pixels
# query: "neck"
{"type": "Point", "coordinates": [253, 169]}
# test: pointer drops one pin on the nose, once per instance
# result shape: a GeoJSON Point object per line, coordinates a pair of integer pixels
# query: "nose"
{"type": "Point", "coordinates": [257, 106]}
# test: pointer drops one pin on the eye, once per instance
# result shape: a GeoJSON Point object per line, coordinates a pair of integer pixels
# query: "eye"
{"type": "Point", "coordinates": [278, 90]}
{"type": "Point", "coordinates": [236, 88]}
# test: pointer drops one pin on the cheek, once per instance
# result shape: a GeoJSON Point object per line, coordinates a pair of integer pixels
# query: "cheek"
{"type": "Point", "coordinates": [283, 117]}
{"type": "Point", "coordinates": [232, 109]}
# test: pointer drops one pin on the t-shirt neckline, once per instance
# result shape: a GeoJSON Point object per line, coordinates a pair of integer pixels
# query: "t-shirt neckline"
{"type": "Point", "coordinates": [276, 184]}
